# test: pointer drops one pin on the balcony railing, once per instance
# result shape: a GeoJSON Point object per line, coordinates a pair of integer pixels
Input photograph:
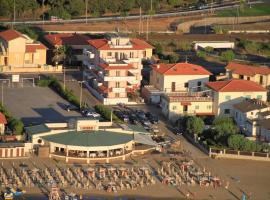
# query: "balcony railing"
{"type": "Point", "coordinates": [119, 78]}
{"type": "Point", "coordinates": [186, 98]}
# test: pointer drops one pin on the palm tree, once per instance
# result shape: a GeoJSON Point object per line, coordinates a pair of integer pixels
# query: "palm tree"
{"type": "Point", "coordinates": [62, 53]}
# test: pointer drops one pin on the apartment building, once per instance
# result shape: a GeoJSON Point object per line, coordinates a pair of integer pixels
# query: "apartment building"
{"type": "Point", "coordinates": [227, 93]}
{"type": "Point", "coordinates": [77, 43]}
{"type": "Point", "coordinates": [176, 104]}
{"type": "Point", "coordinates": [178, 77]}
{"type": "Point", "coordinates": [19, 53]}
{"type": "Point", "coordinates": [257, 74]}
{"type": "Point", "coordinates": [115, 64]}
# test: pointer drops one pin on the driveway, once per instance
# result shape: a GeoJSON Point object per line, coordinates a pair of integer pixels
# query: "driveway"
{"type": "Point", "coordinates": [36, 105]}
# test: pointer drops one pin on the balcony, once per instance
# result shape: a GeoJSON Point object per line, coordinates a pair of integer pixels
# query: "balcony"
{"type": "Point", "coordinates": [119, 90]}
{"type": "Point", "coordinates": [187, 96]}
{"type": "Point", "coordinates": [120, 78]}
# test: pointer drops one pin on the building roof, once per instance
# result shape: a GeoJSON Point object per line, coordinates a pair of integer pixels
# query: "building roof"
{"type": "Point", "coordinates": [103, 44]}
{"type": "Point", "coordinates": [247, 70]}
{"type": "Point", "coordinates": [250, 105]}
{"type": "Point", "coordinates": [42, 128]}
{"type": "Point", "coordinates": [66, 39]}
{"type": "Point", "coordinates": [265, 113]}
{"type": "Point", "coordinates": [90, 138]}
{"type": "Point", "coordinates": [180, 69]}
{"type": "Point", "coordinates": [33, 47]}
{"type": "Point", "coordinates": [235, 85]}
{"type": "Point", "coordinates": [116, 67]}
{"type": "Point", "coordinates": [3, 119]}
{"type": "Point", "coordinates": [9, 35]}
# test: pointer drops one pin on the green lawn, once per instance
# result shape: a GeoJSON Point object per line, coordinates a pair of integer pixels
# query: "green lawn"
{"type": "Point", "coordinates": [255, 10]}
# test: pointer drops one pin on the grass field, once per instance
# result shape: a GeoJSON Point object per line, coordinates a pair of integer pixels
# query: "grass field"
{"type": "Point", "coordinates": [255, 10]}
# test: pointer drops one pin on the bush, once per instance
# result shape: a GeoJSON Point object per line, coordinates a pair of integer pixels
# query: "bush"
{"type": "Point", "coordinates": [201, 54]}
{"type": "Point", "coordinates": [227, 56]}
{"type": "Point", "coordinates": [44, 83]}
{"type": "Point", "coordinates": [209, 49]}
{"type": "Point", "coordinates": [173, 58]}
{"type": "Point", "coordinates": [106, 113]}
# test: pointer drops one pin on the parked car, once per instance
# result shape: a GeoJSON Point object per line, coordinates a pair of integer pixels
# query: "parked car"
{"type": "Point", "coordinates": [133, 119]}
{"type": "Point", "coordinates": [121, 115]}
{"type": "Point", "coordinates": [141, 115]}
{"type": "Point", "coordinates": [152, 118]}
{"type": "Point", "coordinates": [146, 123]}
{"type": "Point", "coordinates": [88, 112]}
{"type": "Point", "coordinates": [71, 107]}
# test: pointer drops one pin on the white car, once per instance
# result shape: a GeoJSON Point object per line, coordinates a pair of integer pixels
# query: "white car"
{"type": "Point", "coordinates": [92, 114]}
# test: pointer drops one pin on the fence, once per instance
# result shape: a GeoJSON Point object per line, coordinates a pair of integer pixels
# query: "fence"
{"type": "Point", "coordinates": [234, 154]}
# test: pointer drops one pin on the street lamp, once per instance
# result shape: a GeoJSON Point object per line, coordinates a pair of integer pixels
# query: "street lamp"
{"type": "Point", "coordinates": [3, 92]}
{"type": "Point", "coordinates": [81, 82]}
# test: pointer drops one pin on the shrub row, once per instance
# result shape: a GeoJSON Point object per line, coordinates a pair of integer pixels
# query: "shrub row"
{"type": "Point", "coordinates": [16, 125]}
{"type": "Point", "coordinates": [67, 94]}
{"type": "Point", "coordinates": [106, 113]}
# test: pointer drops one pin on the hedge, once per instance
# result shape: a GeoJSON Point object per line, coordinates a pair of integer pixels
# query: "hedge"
{"type": "Point", "coordinates": [106, 113]}
{"type": "Point", "coordinates": [16, 125]}
{"type": "Point", "coordinates": [67, 94]}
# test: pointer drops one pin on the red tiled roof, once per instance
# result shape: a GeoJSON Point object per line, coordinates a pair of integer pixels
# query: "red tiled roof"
{"type": "Point", "coordinates": [9, 35]}
{"type": "Point", "coordinates": [34, 47]}
{"type": "Point", "coordinates": [103, 89]}
{"type": "Point", "coordinates": [3, 119]}
{"type": "Point", "coordinates": [247, 70]}
{"type": "Point", "coordinates": [180, 69]}
{"type": "Point", "coordinates": [67, 39]}
{"type": "Point", "coordinates": [235, 85]}
{"type": "Point", "coordinates": [114, 67]}
{"type": "Point", "coordinates": [137, 44]}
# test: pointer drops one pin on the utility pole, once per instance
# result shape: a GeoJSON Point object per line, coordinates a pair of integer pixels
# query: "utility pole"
{"type": "Point", "coordinates": [2, 97]}
{"type": "Point", "coordinates": [64, 78]}
{"type": "Point", "coordinates": [140, 23]}
{"type": "Point", "coordinates": [80, 82]}
{"type": "Point", "coordinates": [43, 12]}
{"type": "Point", "coordinates": [86, 11]}
{"type": "Point", "coordinates": [14, 13]}
{"type": "Point", "coordinates": [147, 27]}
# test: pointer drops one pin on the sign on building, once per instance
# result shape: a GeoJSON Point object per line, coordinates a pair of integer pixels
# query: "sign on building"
{"type": "Point", "coordinates": [15, 78]}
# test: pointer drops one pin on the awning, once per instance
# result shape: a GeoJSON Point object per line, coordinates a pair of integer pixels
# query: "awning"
{"type": "Point", "coordinates": [185, 103]}
{"type": "Point", "coordinates": [144, 139]}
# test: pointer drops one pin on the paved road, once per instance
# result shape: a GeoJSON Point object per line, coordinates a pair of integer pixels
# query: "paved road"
{"type": "Point", "coordinates": [158, 15]}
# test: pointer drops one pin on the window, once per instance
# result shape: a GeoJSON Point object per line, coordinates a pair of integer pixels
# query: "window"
{"type": "Point", "coordinates": [236, 114]}
{"type": "Point", "coordinates": [241, 77]}
{"type": "Point", "coordinates": [248, 78]}
{"type": "Point", "coordinates": [174, 107]}
{"type": "Point", "coordinates": [186, 85]}
{"type": "Point", "coordinates": [117, 95]}
{"type": "Point", "coordinates": [117, 84]}
{"type": "Point", "coordinates": [259, 97]}
{"type": "Point", "coordinates": [131, 54]}
{"type": "Point", "coordinates": [199, 83]}
{"type": "Point", "coordinates": [144, 54]}
{"type": "Point", "coordinates": [227, 111]}
{"type": "Point", "coordinates": [197, 107]}
{"type": "Point", "coordinates": [248, 96]}
{"type": "Point", "coordinates": [261, 80]}
{"type": "Point", "coordinates": [251, 113]}
{"type": "Point", "coordinates": [117, 73]}
{"type": "Point", "coordinates": [209, 107]}
{"type": "Point", "coordinates": [227, 97]}
{"type": "Point", "coordinates": [117, 42]}
{"type": "Point", "coordinates": [109, 53]}
{"type": "Point", "coordinates": [173, 86]}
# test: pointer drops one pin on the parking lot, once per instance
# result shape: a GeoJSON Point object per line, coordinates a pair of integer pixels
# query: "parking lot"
{"type": "Point", "coordinates": [36, 105]}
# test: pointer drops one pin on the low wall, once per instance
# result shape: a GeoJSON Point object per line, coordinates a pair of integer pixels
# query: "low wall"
{"type": "Point", "coordinates": [233, 154]}
{"type": "Point", "coordinates": [38, 69]}
{"type": "Point", "coordinates": [185, 26]}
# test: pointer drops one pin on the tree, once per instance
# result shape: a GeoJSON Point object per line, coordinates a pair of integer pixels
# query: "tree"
{"type": "Point", "coordinates": [173, 58]}
{"type": "Point", "coordinates": [201, 54]}
{"type": "Point", "coordinates": [195, 125]}
{"type": "Point", "coordinates": [224, 126]}
{"type": "Point", "coordinates": [209, 49]}
{"type": "Point", "coordinates": [227, 56]}
{"type": "Point", "coordinates": [16, 126]}
{"type": "Point", "coordinates": [62, 54]}
{"type": "Point", "coordinates": [76, 7]}
{"type": "Point", "coordinates": [175, 3]}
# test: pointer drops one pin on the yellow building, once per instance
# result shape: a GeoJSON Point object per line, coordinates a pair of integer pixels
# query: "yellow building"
{"type": "Point", "coordinates": [19, 53]}
{"type": "Point", "coordinates": [228, 93]}
{"type": "Point", "coordinates": [257, 74]}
